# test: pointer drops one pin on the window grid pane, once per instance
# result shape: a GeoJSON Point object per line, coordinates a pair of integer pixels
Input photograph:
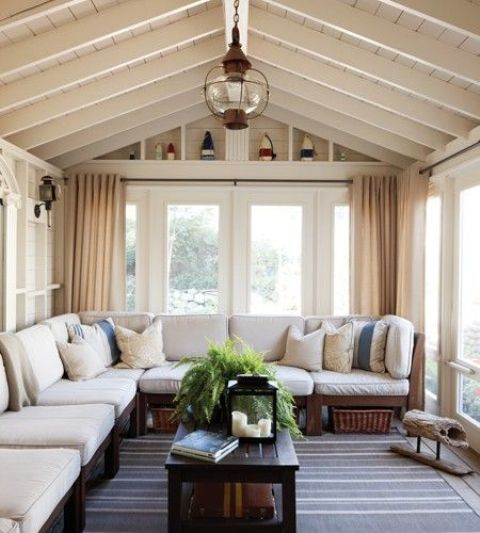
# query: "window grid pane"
{"type": "Point", "coordinates": [131, 255]}
{"type": "Point", "coordinates": [276, 259]}
{"type": "Point", "coordinates": [341, 260]}
{"type": "Point", "coordinates": [193, 259]}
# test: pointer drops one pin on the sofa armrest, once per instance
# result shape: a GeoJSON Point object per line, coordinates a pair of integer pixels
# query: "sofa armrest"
{"type": "Point", "coordinates": [416, 396]}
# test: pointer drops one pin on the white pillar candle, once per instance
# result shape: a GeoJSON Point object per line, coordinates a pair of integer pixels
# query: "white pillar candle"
{"type": "Point", "coordinates": [265, 425]}
{"type": "Point", "coordinates": [239, 422]}
{"type": "Point", "coordinates": [251, 430]}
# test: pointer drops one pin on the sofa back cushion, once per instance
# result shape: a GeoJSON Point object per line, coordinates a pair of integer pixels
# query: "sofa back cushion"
{"type": "Point", "coordinates": [265, 333]}
{"type": "Point", "coordinates": [399, 347]}
{"type": "Point", "coordinates": [312, 323]}
{"type": "Point", "coordinates": [4, 394]}
{"type": "Point", "coordinates": [188, 335]}
{"type": "Point", "coordinates": [138, 322]}
{"type": "Point", "coordinates": [39, 344]}
{"type": "Point", "coordinates": [58, 325]}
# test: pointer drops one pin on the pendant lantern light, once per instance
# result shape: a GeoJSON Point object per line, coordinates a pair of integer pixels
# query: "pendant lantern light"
{"type": "Point", "coordinates": [234, 91]}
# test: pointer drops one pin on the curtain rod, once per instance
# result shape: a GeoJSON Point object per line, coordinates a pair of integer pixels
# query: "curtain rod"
{"type": "Point", "coordinates": [228, 180]}
{"type": "Point", "coordinates": [460, 152]}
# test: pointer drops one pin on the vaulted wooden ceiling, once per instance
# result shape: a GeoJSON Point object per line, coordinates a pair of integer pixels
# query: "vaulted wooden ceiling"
{"type": "Point", "coordinates": [400, 78]}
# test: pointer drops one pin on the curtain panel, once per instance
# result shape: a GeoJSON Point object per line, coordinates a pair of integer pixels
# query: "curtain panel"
{"type": "Point", "coordinates": [94, 243]}
{"type": "Point", "coordinates": [389, 244]}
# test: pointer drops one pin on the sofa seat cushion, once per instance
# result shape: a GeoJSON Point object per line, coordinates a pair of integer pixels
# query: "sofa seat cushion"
{"type": "Point", "coordinates": [9, 526]}
{"type": "Point", "coordinates": [80, 427]}
{"type": "Point", "coordinates": [37, 482]}
{"type": "Point", "coordinates": [297, 380]}
{"type": "Point", "coordinates": [359, 383]}
{"type": "Point", "coordinates": [164, 379]}
{"type": "Point", "coordinates": [123, 373]}
{"type": "Point", "coordinates": [116, 392]}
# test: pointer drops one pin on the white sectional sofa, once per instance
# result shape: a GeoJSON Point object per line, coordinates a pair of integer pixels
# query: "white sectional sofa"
{"type": "Point", "coordinates": [188, 335]}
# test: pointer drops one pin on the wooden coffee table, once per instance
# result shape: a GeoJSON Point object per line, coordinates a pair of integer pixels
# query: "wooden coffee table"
{"type": "Point", "coordinates": [250, 463]}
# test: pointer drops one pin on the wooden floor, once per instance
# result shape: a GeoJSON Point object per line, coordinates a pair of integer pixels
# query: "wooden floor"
{"type": "Point", "coordinates": [467, 486]}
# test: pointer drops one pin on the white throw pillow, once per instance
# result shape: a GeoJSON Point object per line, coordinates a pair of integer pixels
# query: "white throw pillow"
{"type": "Point", "coordinates": [304, 351]}
{"type": "Point", "coordinates": [80, 360]}
{"type": "Point", "coordinates": [100, 336]}
{"type": "Point", "coordinates": [141, 350]}
{"type": "Point", "coordinates": [338, 347]}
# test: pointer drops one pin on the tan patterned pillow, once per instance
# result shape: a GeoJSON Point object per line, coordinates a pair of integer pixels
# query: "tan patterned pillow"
{"type": "Point", "coordinates": [338, 347]}
{"type": "Point", "coordinates": [141, 350]}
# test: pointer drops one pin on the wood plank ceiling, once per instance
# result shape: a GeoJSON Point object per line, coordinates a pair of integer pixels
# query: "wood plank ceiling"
{"type": "Point", "coordinates": [401, 78]}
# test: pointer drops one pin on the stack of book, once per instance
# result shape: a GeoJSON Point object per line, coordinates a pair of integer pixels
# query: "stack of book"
{"type": "Point", "coordinates": [205, 445]}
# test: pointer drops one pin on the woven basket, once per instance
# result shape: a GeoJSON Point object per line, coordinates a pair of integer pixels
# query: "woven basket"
{"type": "Point", "coordinates": [161, 420]}
{"type": "Point", "coordinates": [362, 420]}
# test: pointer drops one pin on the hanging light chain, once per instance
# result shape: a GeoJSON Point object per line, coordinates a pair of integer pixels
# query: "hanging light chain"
{"type": "Point", "coordinates": [236, 17]}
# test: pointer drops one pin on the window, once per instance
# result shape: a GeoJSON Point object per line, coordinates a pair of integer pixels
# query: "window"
{"type": "Point", "coordinates": [432, 292]}
{"type": "Point", "coordinates": [469, 302]}
{"type": "Point", "coordinates": [193, 252]}
{"type": "Point", "coordinates": [275, 259]}
{"type": "Point", "coordinates": [131, 255]}
{"type": "Point", "coordinates": [341, 260]}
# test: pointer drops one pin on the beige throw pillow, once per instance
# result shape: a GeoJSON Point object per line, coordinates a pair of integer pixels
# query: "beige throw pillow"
{"type": "Point", "coordinates": [304, 351]}
{"type": "Point", "coordinates": [338, 347]}
{"type": "Point", "coordinates": [141, 350]}
{"type": "Point", "coordinates": [80, 360]}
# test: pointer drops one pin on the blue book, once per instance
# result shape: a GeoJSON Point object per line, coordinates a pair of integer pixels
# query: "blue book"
{"type": "Point", "coordinates": [206, 443]}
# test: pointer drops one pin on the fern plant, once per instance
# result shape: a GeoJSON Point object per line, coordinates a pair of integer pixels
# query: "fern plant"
{"type": "Point", "coordinates": [203, 388]}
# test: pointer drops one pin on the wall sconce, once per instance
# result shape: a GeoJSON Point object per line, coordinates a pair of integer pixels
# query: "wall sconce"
{"type": "Point", "coordinates": [49, 192]}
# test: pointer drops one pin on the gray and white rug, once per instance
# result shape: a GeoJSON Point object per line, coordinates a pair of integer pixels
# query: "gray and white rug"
{"type": "Point", "coordinates": [345, 483]}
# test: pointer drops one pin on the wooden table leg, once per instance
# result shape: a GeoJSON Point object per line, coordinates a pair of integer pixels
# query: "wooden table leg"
{"type": "Point", "coordinates": [289, 522]}
{"type": "Point", "coordinates": [174, 502]}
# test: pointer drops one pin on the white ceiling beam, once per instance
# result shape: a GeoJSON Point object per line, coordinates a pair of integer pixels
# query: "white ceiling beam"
{"type": "Point", "coordinates": [13, 13]}
{"type": "Point", "coordinates": [86, 67]}
{"type": "Point", "coordinates": [360, 88]}
{"type": "Point", "coordinates": [364, 62]}
{"type": "Point", "coordinates": [88, 30]}
{"type": "Point", "coordinates": [114, 107]}
{"type": "Point", "coordinates": [123, 123]}
{"type": "Point", "coordinates": [126, 138]}
{"type": "Point", "coordinates": [229, 12]}
{"type": "Point", "coordinates": [357, 109]}
{"type": "Point", "coordinates": [461, 16]}
{"type": "Point", "coordinates": [105, 88]}
{"type": "Point", "coordinates": [350, 125]}
{"type": "Point", "coordinates": [381, 32]}
{"type": "Point", "coordinates": [339, 137]}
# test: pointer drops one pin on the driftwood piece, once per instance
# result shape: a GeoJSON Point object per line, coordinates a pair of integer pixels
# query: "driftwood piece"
{"type": "Point", "coordinates": [445, 430]}
{"type": "Point", "coordinates": [430, 460]}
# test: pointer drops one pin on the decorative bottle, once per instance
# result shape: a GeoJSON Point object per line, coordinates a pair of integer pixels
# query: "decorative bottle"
{"type": "Point", "coordinates": [208, 148]}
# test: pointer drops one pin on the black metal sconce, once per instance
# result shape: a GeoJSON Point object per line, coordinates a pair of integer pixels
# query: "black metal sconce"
{"type": "Point", "coordinates": [49, 192]}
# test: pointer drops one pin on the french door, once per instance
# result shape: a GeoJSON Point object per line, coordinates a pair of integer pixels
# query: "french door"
{"type": "Point", "coordinates": [465, 364]}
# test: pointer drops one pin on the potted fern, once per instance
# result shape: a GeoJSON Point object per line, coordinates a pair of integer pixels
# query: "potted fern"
{"type": "Point", "coordinates": [202, 392]}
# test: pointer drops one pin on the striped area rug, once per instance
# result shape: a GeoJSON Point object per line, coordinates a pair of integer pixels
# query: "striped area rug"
{"type": "Point", "coordinates": [346, 483]}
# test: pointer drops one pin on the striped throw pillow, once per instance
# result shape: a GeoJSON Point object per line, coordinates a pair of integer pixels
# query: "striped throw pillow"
{"type": "Point", "coordinates": [369, 346]}
{"type": "Point", "coordinates": [100, 336]}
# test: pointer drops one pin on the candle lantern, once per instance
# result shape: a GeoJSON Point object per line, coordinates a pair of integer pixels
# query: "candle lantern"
{"type": "Point", "coordinates": [252, 408]}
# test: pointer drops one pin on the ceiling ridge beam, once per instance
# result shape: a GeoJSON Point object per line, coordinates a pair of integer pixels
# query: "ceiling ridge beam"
{"type": "Point", "coordinates": [337, 136]}
{"type": "Point", "coordinates": [360, 88]}
{"type": "Point", "coordinates": [88, 30]}
{"type": "Point", "coordinates": [360, 110]}
{"type": "Point", "coordinates": [463, 17]}
{"type": "Point", "coordinates": [350, 125]}
{"type": "Point", "coordinates": [125, 122]}
{"type": "Point", "coordinates": [105, 88]}
{"type": "Point", "coordinates": [121, 54]}
{"type": "Point", "coordinates": [109, 109]}
{"type": "Point", "coordinates": [365, 62]}
{"type": "Point", "coordinates": [125, 138]}
{"type": "Point", "coordinates": [382, 32]}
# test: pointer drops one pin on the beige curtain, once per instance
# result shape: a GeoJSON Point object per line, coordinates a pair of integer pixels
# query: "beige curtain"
{"type": "Point", "coordinates": [389, 232]}
{"type": "Point", "coordinates": [94, 243]}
